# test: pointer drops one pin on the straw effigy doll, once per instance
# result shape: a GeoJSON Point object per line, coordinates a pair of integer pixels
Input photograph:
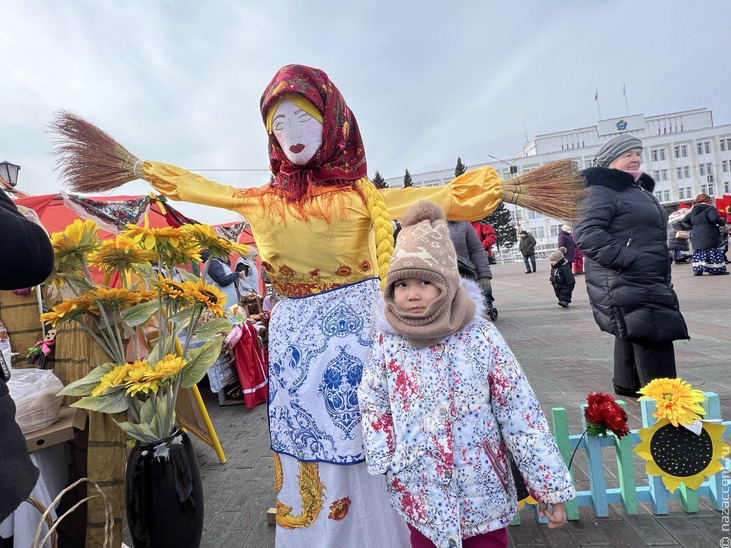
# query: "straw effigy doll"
{"type": "Point", "coordinates": [324, 234]}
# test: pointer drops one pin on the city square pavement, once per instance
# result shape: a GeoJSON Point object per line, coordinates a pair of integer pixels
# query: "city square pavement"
{"type": "Point", "coordinates": [565, 356]}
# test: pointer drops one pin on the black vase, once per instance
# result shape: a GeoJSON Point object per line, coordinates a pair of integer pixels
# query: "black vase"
{"type": "Point", "coordinates": [164, 494]}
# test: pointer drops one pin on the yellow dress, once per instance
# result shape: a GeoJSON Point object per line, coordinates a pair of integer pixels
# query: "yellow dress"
{"type": "Point", "coordinates": [319, 339]}
{"type": "Point", "coordinates": [304, 257]}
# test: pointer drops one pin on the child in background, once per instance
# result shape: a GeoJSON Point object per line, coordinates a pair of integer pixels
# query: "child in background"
{"type": "Point", "coordinates": [445, 404]}
{"type": "Point", "coordinates": [562, 279]}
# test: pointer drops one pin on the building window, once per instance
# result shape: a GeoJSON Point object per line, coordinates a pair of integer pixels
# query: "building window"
{"type": "Point", "coordinates": [681, 151]}
{"type": "Point", "coordinates": [682, 172]}
{"type": "Point", "coordinates": [658, 195]}
{"type": "Point", "coordinates": [725, 143]}
{"type": "Point", "coordinates": [727, 187]}
{"type": "Point", "coordinates": [709, 189]}
{"type": "Point", "coordinates": [666, 195]}
{"type": "Point", "coordinates": [664, 174]}
{"type": "Point", "coordinates": [724, 166]}
{"type": "Point", "coordinates": [702, 169]}
{"type": "Point", "coordinates": [657, 154]}
{"type": "Point", "coordinates": [540, 232]}
{"type": "Point", "coordinates": [703, 147]}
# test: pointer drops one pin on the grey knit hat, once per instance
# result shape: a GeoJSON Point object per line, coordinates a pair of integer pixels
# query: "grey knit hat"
{"type": "Point", "coordinates": [613, 148]}
{"type": "Point", "coordinates": [558, 255]}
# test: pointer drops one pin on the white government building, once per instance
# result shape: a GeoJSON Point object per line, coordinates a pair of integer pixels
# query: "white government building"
{"type": "Point", "coordinates": [683, 151]}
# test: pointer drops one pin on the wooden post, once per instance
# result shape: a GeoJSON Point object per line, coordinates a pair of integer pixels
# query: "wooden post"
{"type": "Point", "coordinates": [561, 433]}
{"type": "Point", "coordinates": [658, 493]}
{"type": "Point", "coordinates": [627, 487]}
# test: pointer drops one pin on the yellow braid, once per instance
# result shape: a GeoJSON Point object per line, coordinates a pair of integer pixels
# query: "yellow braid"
{"type": "Point", "coordinates": [382, 224]}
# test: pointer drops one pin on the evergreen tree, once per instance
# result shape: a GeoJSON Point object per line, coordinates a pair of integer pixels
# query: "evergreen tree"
{"type": "Point", "coordinates": [502, 222]}
{"type": "Point", "coordinates": [407, 179]}
{"type": "Point", "coordinates": [460, 168]}
{"type": "Point", "coordinates": [379, 181]}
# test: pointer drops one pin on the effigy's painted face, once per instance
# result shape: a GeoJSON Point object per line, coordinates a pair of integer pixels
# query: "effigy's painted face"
{"type": "Point", "coordinates": [298, 133]}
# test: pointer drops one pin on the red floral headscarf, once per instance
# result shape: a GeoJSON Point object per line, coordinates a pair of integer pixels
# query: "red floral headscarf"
{"type": "Point", "coordinates": [340, 160]}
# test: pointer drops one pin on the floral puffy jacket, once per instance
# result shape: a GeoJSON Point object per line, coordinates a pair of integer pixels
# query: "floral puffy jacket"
{"type": "Point", "coordinates": [440, 421]}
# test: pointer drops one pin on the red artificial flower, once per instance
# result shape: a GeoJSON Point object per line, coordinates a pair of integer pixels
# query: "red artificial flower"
{"type": "Point", "coordinates": [603, 413]}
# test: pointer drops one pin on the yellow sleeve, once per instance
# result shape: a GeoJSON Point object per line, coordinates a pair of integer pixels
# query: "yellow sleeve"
{"type": "Point", "coordinates": [471, 196]}
{"type": "Point", "coordinates": [177, 183]}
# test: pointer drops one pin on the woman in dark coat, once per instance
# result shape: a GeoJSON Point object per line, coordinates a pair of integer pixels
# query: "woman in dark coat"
{"type": "Point", "coordinates": [27, 260]}
{"type": "Point", "coordinates": [703, 220]}
{"type": "Point", "coordinates": [566, 239]}
{"type": "Point", "coordinates": [679, 247]}
{"type": "Point", "coordinates": [627, 266]}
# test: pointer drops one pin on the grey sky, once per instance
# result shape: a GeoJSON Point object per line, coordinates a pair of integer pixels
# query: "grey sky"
{"type": "Point", "coordinates": [180, 81]}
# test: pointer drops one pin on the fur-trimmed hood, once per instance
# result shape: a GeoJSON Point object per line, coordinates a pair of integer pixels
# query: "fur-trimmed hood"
{"type": "Point", "coordinates": [616, 179]}
{"type": "Point", "coordinates": [473, 291]}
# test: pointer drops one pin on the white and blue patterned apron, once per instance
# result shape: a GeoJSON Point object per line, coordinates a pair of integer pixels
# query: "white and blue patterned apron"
{"type": "Point", "coordinates": [317, 348]}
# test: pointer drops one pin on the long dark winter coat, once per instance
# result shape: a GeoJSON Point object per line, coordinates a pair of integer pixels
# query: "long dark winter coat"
{"type": "Point", "coordinates": [27, 260]}
{"type": "Point", "coordinates": [565, 239]}
{"type": "Point", "coordinates": [704, 220]}
{"type": "Point", "coordinates": [623, 235]}
{"type": "Point", "coordinates": [467, 244]}
{"type": "Point", "coordinates": [563, 280]}
{"type": "Point", "coordinates": [675, 223]}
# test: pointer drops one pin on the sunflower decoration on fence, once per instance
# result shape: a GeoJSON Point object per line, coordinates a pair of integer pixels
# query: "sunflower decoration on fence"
{"type": "Point", "coordinates": [155, 305]}
{"type": "Point", "coordinates": [680, 447]}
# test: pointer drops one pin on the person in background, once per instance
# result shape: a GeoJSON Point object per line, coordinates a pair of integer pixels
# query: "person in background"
{"type": "Point", "coordinates": [566, 240]}
{"type": "Point", "coordinates": [219, 272]}
{"type": "Point", "coordinates": [527, 248]}
{"type": "Point", "coordinates": [679, 248]}
{"type": "Point", "coordinates": [469, 250]}
{"type": "Point", "coordinates": [27, 261]}
{"type": "Point", "coordinates": [704, 221]}
{"type": "Point", "coordinates": [487, 237]}
{"type": "Point", "coordinates": [725, 215]}
{"type": "Point", "coordinates": [623, 235]}
{"type": "Point", "coordinates": [445, 403]}
{"type": "Point", "coordinates": [249, 283]}
{"type": "Point", "coordinates": [562, 278]}
{"type": "Point", "coordinates": [578, 265]}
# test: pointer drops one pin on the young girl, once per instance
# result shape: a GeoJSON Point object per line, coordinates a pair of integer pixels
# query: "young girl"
{"type": "Point", "coordinates": [445, 404]}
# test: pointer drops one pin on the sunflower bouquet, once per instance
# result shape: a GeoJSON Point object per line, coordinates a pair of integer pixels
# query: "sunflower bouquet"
{"type": "Point", "coordinates": [143, 318]}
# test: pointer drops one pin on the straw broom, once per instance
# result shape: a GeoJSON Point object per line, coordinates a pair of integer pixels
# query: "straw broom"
{"type": "Point", "coordinates": [555, 189]}
{"type": "Point", "coordinates": [90, 160]}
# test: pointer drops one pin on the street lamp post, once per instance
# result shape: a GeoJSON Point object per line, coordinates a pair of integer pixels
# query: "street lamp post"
{"type": "Point", "coordinates": [9, 173]}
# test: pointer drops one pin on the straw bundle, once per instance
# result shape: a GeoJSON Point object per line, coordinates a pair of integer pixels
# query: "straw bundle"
{"type": "Point", "coordinates": [555, 189]}
{"type": "Point", "coordinates": [89, 159]}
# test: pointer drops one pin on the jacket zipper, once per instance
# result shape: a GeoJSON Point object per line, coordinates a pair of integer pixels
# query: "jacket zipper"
{"type": "Point", "coordinates": [494, 461]}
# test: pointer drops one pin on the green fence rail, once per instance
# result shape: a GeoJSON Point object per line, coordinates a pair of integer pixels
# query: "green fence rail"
{"type": "Point", "coordinates": [629, 493]}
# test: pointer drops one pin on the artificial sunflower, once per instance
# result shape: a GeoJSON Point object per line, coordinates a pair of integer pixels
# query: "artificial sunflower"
{"type": "Point", "coordinates": [138, 379]}
{"type": "Point", "coordinates": [171, 244]}
{"type": "Point", "coordinates": [171, 289]}
{"type": "Point", "coordinates": [77, 239]}
{"type": "Point", "coordinates": [118, 298]}
{"type": "Point", "coordinates": [120, 254]}
{"type": "Point", "coordinates": [208, 239]}
{"type": "Point", "coordinates": [166, 368]}
{"type": "Point", "coordinates": [114, 378]}
{"type": "Point", "coordinates": [678, 455]}
{"type": "Point", "coordinates": [206, 294]}
{"type": "Point", "coordinates": [675, 400]}
{"type": "Point", "coordinates": [66, 310]}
